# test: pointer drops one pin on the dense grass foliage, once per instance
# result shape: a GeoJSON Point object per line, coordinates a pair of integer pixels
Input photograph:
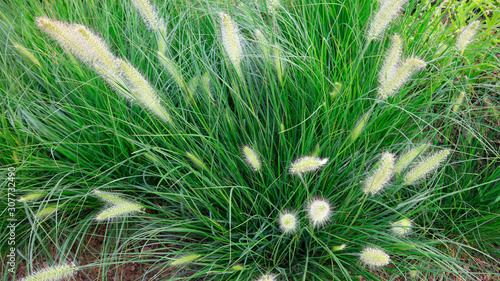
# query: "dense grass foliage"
{"type": "Point", "coordinates": [239, 113]}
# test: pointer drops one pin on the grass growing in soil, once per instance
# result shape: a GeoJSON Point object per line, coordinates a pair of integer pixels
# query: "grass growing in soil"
{"type": "Point", "coordinates": [222, 140]}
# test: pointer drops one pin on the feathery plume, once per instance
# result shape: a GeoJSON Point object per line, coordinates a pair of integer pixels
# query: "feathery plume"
{"type": "Point", "coordinates": [196, 160]}
{"type": "Point", "coordinates": [32, 196]}
{"type": "Point", "coordinates": [110, 197]}
{"type": "Point", "coordinates": [402, 227]}
{"type": "Point", "coordinates": [206, 85]}
{"type": "Point", "coordinates": [28, 54]}
{"type": "Point", "coordinates": [53, 273]}
{"type": "Point", "coordinates": [288, 222]}
{"type": "Point", "coordinates": [374, 257]}
{"type": "Point", "coordinates": [98, 48]}
{"type": "Point", "coordinates": [360, 126]}
{"type": "Point", "coordinates": [173, 69]}
{"type": "Point", "coordinates": [267, 277]}
{"type": "Point", "coordinates": [120, 210]}
{"type": "Point", "coordinates": [392, 59]}
{"type": "Point", "coordinates": [251, 158]}
{"type": "Point", "coordinates": [337, 86]}
{"type": "Point", "coordinates": [381, 176]}
{"type": "Point", "coordinates": [406, 159]}
{"type": "Point", "coordinates": [45, 212]}
{"type": "Point", "coordinates": [339, 247]}
{"type": "Point", "coordinates": [307, 164]}
{"type": "Point", "coordinates": [148, 13]}
{"type": "Point", "coordinates": [492, 107]}
{"type": "Point", "coordinates": [428, 165]}
{"type": "Point", "coordinates": [278, 63]}
{"type": "Point", "coordinates": [185, 259]}
{"type": "Point", "coordinates": [237, 267]}
{"type": "Point", "coordinates": [386, 13]}
{"type": "Point", "coordinates": [319, 211]}
{"type": "Point", "coordinates": [142, 90]}
{"type": "Point", "coordinates": [272, 5]}
{"type": "Point", "coordinates": [262, 42]}
{"type": "Point", "coordinates": [466, 36]}
{"type": "Point", "coordinates": [389, 86]}
{"type": "Point", "coordinates": [65, 35]}
{"type": "Point", "coordinates": [231, 41]}
{"type": "Point", "coordinates": [458, 101]}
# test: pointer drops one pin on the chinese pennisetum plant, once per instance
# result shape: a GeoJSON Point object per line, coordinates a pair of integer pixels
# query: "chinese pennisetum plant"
{"type": "Point", "coordinates": [249, 140]}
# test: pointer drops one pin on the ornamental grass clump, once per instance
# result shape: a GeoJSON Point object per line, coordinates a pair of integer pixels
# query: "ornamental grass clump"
{"type": "Point", "coordinates": [53, 273]}
{"type": "Point", "coordinates": [263, 143]}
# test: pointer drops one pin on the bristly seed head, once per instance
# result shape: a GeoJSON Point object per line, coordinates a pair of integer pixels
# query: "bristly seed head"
{"type": "Point", "coordinates": [402, 227]}
{"type": "Point", "coordinates": [408, 157]}
{"type": "Point", "coordinates": [56, 272]}
{"type": "Point", "coordinates": [288, 222]}
{"type": "Point", "coordinates": [307, 164]}
{"type": "Point", "coordinates": [427, 165]}
{"type": "Point", "coordinates": [231, 41]}
{"type": "Point", "coordinates": [148, 13]}
{"type": "Point", "coordinates": [267, 277]}
{"type": "Point", "coordinates": [251, 158]}
{"type": "Point", "coordinates": [185, 259]}
{"type": "Point", "coordinates": [381, 176]}
{"type": "Point", "coordinates": [118, 211]}
{"type": "Point", "coordinates": [386, 13]}
{"type": "Point", "coordinates": [319, 211]}
{"type": "Point", "coordinates": [466, 36]}
{"type": "Point", "coordinates": [374, 257]}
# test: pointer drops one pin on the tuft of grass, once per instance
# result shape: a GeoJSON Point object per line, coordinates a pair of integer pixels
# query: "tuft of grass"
{"type": "Point", "coordinates": [286, 78]}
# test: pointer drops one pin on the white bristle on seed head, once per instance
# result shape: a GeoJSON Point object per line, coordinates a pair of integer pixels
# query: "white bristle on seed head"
{"type": "Point", "coordinates": [231, 41]}
{"type": "Point", "coordinates": [402, 227]}
{"type": "Point", "coordinates": [56, 272]}
{"type": "Point", "coordinates": [185, 259]}
{"type": "Point", "coordinates": [408, 157]}
{"type": "Point", "coordinates": [374, 257]}
{"type": "Point", "coordinates": [119, 211]}
{"type": "Point", "coordinates": [390, 86]}
{"type": "Point", "coordinates": [427, 165]}
{"type": "Point", "coordinates": [288, 222]}
{"type": "Point", "coordinates": [272, 5]}
{"type": "Point", "coordinates": [319, 212]}
{"type": "Point", "coordinates": [142, 91]}
{"type": "Point", "coordinates": [252, 158]}
{"type": "Point", "coordinates": [148, 13]}
{"type": "Point", "coordinates": [381, 176]}
{"type": "Point", "coordinates": [65, 35]}
{"type": "Point", "coordinates": [392, 59]}
{"type": "Point", "coordinates": [307, 164]}
{"type": "Point", "coordinates": [386, 13]}
{"type": "Point", "coordinates": [466, 36]}
{"type": "Point", "coordinates": [267, 277]}
{"type": "Point", "coordinates": [98, 49]}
